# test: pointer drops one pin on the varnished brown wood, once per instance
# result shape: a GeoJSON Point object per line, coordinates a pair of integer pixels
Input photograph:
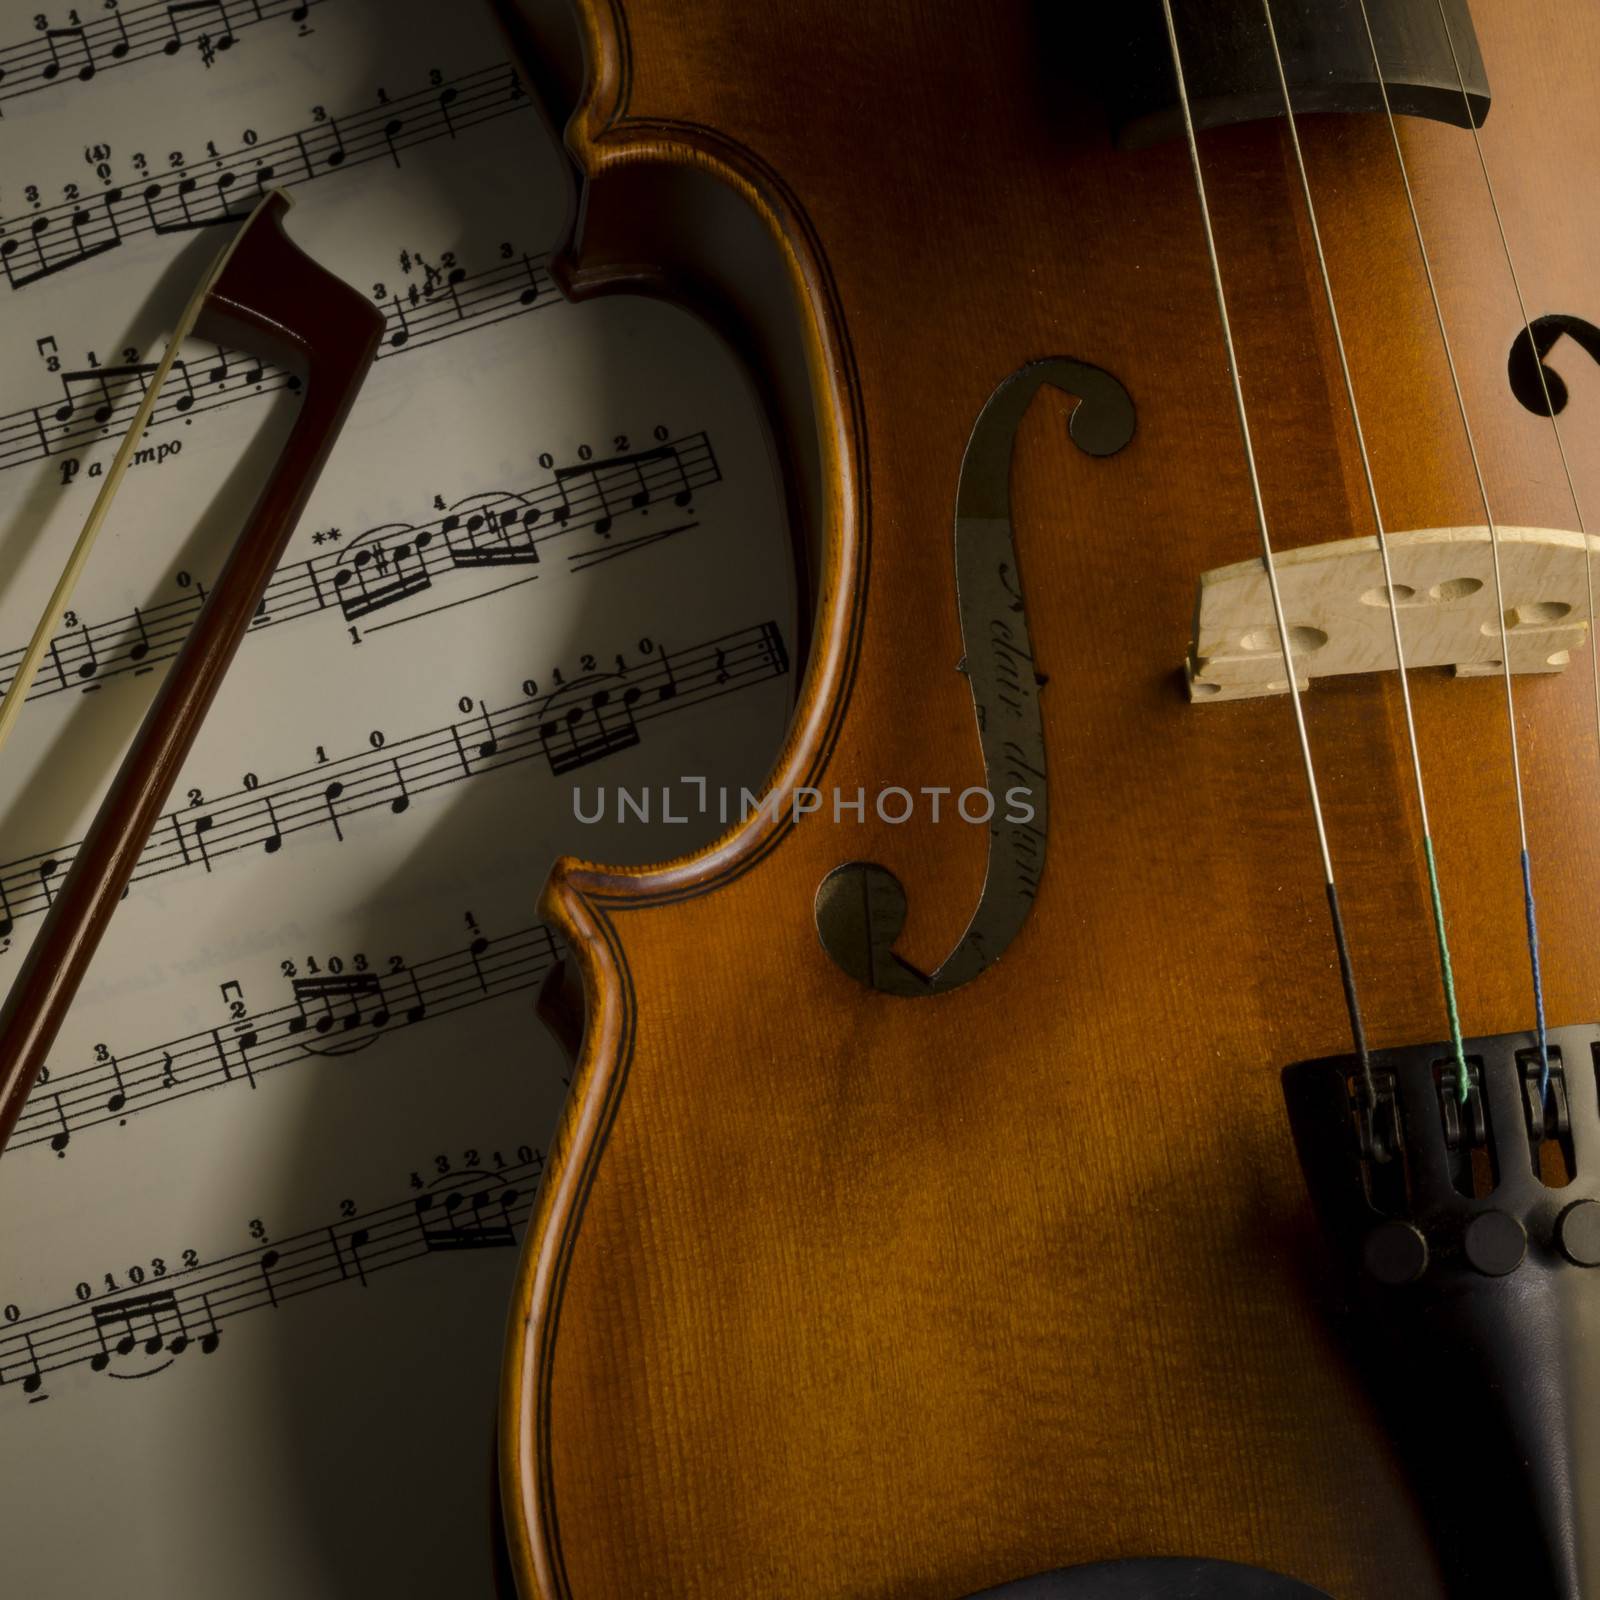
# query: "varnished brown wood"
{"type": "Point", "coordinates": [270, 300]}
{"type": "Point", "coordinates": [833, 1293]}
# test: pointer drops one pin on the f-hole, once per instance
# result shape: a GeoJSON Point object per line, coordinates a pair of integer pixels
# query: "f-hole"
{"type": "Point", "coordinates": [1530, 351]}
{"type": "Point", "coordinates": [861, 906]}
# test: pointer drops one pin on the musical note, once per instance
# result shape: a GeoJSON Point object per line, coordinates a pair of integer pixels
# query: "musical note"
{"type": "Point", "coordinates": [119, 1096]}
{"type": "Point", "coordinates": [269, 1259]}
{"type": "Point", "coordinates": [34, 246]}
{"type": "Point", "coordinates": [602, 523]}
{"type": "Point", "coordinates": [535, 288]}
{"type": "Point", "coordinates": [667, 689]}
{"type": "Point", "coordinates": [209, 1340]}
{"type": "Point", "coordinates": [584, 734]}
{"type": "Point", "coordinates": [476, 1222]}
{"type": "Point", "coordinates": [577, 724]}
{"type": "Point", "coordinates": [32, 1372]}
{"type": "Point", "coordinates": [333, 792]}
{"type": "Point", "coordinates": [273, 842]}
{"type": "Point", "coordinates": [140, 648]}
{"type": "Point", "coordinates": [498, 548]}
{"type": "Point", "coordinates": [359, 1238]}
{"type": "Point", "coordinates": [101, 378]}
{"type": "Point", "coordinates": [90, 664]}
{"type": "Point", "coordinates": [145, 1320]}
{"type": "Point", "coordinates": [37, 432]}
{"type": "Point", "coordinates": [633, 481]}
{"type": "Point", "coordinates": [181, 11]}
{"type": "Point", "coordinates": [76, 35]}
{"type": "Point", "coordinates": [476, 951]}
{"type": "Point", "coordinates": [200, 828]}
{"type": "Point", "coordinates": [418, 1009]}
{"type": "Point", "coordinates": [93, 235]}
{"type": "Point", "coordinates": [351, 989]}
{"type": "Point", "coordinates": [209, 211]}
{"type": "Point", "coordinates": [378, 576]}
{"type": "Point", "coordinates": [156, 30]}
{"type": "Point", "coordinates": [136, 1335]}
{"type": "Point", "coordinates": [402, 329]}
{"type": "Point", "coordinates": [32, 1383]}
{"type": "Point", "coordinates": [245, 1043]}
{"type": "Point", "coordinates": [488, 745]}
{"type": "Point", "coordinates": [60, 1141]}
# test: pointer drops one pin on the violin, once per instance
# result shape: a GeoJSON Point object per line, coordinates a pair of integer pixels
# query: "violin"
{"type": "Point", "coordinates": [1119, 1115]}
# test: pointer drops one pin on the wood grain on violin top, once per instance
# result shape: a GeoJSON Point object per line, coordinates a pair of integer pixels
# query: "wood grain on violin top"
{"type": "Point", "coordinates": [835, 1293]}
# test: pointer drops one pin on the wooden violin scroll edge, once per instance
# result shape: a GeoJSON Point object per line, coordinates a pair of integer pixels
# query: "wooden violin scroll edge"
{"type": "Point", "coordinates": [789, 331]}
{"type": "Point", "coordinates": [272, 300]}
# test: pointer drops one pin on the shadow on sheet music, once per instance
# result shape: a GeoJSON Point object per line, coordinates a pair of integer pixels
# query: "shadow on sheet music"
{"type": "Point", "coordinates": [378, 1399]}
{"type": "Point", "coordinates": [383, 1415]}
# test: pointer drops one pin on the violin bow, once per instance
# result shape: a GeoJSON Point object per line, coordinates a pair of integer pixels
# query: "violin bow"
{"type": "Point", "coordinates": [267, 297]}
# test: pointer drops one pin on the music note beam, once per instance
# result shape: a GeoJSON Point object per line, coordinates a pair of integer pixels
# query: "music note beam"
{"type": "Point", "coordinates": [226, 188]}
{"type": "Point", "coordinates": [577, 725]}
{"type": "Point", "coordinates": [51, 56]}
{"type": "Point", "coordinates": [325, 1016]}
{"type": "Point", "coordinates": [93, 407]}
{"type": "Point", "coordinates": [381, 568]}
{"type": "Point", "coordinates": [138, 1334]}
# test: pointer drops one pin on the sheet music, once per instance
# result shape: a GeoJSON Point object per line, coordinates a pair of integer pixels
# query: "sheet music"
{"type": "Point", "coordinates": [259, 1221]}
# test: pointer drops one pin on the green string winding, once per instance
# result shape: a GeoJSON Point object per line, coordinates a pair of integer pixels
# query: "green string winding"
{"type": "Point", "coordinates": [1445, 970]}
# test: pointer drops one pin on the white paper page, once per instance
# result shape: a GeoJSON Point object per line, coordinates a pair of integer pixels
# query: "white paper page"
{"type": "Point", "coordinates": [256, 1229]}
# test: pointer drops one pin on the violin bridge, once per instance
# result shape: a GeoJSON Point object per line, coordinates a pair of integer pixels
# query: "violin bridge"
{"type": "Point", "coordinates": [1337, 607]}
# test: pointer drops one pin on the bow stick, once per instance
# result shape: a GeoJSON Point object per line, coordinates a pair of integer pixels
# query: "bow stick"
{"type": "Point", "coordinates": [268, 298]}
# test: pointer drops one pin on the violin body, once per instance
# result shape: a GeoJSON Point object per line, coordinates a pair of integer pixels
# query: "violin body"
{"type": "Point", "coordinates": [834, 1290]}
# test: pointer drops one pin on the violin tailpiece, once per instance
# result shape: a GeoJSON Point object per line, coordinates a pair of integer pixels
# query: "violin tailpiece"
{"type": "Point", "coordinates": [1469, 1230]}
{"type": "Point", "coordinates": [1336, 604]}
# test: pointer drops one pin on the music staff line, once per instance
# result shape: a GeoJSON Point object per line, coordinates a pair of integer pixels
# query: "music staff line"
{"type": "Point", "coordinates": [328, 1015]}
{"type": "Point", "coordinates": [55, 55]}
{"type": "Point", "coordinates": [390, 564]}
{"type": "Point", "coordinates": [571, 727]}
{"type": "Point", "coordinates": [183, 1309]}
{"type": "Point", "coordinates": [55, 238]}
{"type": "Point", "coordinates": [99, 402]}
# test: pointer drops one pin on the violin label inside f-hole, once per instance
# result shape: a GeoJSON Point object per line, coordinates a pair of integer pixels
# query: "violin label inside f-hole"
{"type": "Point", "coordinates": [860, 906]}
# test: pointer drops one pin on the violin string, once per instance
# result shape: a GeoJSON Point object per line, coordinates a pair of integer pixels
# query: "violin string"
{"type": "Point", "coordinates": [1441, 940]}
{"type": "Point", "coordinates": [1446, 972]}
{"type": "Point", "coordinates": [1358, 1031]}
{"type": "Point", "coordinates": [1494, 551]}
{"type": "Point", "coordinates": [1544, 388]}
